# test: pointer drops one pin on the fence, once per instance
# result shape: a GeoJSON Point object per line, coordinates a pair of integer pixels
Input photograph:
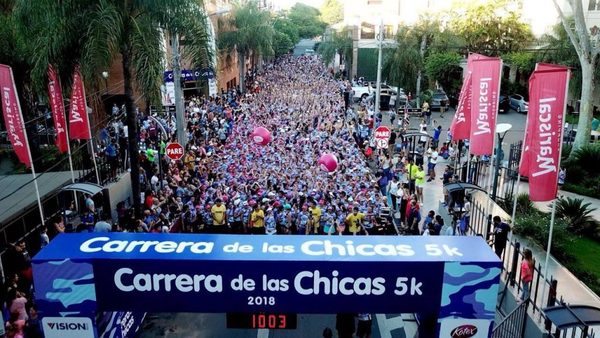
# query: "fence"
{"type": "Point", "coordinates": [481, 225]}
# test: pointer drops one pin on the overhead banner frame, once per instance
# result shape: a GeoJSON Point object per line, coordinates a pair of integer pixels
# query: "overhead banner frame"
{"type": "Point", "coordinates": [453, 278]}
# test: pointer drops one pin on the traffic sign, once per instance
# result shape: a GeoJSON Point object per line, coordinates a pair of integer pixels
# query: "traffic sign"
{"type": "Point", "coordinates": [174, 151]}
{"type": "Point", "coordinates": [382, 136]}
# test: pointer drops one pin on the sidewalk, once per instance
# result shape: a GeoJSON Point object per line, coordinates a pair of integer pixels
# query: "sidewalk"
{"type": "Point", "coordinates": [571, 289]}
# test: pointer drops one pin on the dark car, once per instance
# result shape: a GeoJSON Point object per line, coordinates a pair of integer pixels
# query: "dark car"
{"type": "Point", "coordinates": [503, 104]}
{"type": "Point", "coordinates": [439, 99]}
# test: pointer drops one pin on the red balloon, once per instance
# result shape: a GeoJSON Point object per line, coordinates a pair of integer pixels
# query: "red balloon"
{"type": "Point", "coordinates": [261, 135]}
{"type": "Point", "coordinates": [328, 162]}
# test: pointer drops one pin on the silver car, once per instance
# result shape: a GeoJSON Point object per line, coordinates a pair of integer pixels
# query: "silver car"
{"type": "Point", "coordinates": [518, 103]}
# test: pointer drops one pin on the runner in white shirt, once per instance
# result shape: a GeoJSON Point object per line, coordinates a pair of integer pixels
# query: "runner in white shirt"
{"type": "Point", "coordinates": [431, 165]}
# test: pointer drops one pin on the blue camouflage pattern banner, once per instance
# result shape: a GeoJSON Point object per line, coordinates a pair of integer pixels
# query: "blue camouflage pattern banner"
{"type": "Point", "coordinates": [128, 274]}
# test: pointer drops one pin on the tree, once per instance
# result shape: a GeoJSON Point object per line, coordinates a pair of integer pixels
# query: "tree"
{"type": "Point", "coordinates": [283, 24]}
{"type": "Point", "coordinates": [490, 27]}
{"type": "Point", "coordinates": [250, 32]}
{"type": "Point", "coordinates": [332, 12]}
{"type": "Point", "coordinates": [95, 32]}
{"type": "Point", "coordinates": [282, 43]}
{"type": "Point", "coordinates": [405, 62]}
{"type": "Point", "coordinates": [588, 53]}
{"type": "Point", "coordinates": [336, 43]}
{"type": "Point", "coordinates": [307, 19]}
{"type": "Point", "coordinates": [445, 69]}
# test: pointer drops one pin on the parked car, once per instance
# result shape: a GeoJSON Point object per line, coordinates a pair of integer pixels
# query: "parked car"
{"type": "Point", "coordinates": [518, 103]}
{"type": "Point", "coordinates": [439, 99]}
{"type": "Point", "coordinates": [503, 104]}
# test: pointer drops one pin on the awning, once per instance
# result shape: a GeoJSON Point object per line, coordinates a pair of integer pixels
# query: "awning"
{"type": "Point", "coordinates": [566, 316]}
{"type": "Point", "coordinates": [86, 188]}
{"type": "Point", "coordinates": [454, 186]}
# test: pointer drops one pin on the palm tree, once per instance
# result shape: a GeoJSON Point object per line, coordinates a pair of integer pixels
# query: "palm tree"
{"type": "Point", "coordinates": [336, 43]}
{"type": "Point", "coordinates": [95, 32]}
{"type": "Point", "coordinates": [250, 31]}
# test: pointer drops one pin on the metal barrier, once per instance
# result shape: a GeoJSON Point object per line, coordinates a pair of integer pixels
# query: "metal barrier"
{"type": "Point", "coordinates": [512, 257]}
{"type": "Point", "coordinates": [513, 325]}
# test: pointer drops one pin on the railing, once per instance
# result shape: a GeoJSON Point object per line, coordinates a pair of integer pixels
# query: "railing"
{"type": "Point", "coordinates": [513, 325]}
{"type": "Point", "coordinates": [481, 224]}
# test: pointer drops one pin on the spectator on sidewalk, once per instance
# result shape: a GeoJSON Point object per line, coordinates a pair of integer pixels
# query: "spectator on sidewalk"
{"type": "Point", "coordinates": [500, 234]}
{"type": "Point", "coordinates": [526, 274]}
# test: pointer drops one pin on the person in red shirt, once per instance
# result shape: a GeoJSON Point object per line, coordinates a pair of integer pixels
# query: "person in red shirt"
{"type": "Point", "coordinates": [526, 274]}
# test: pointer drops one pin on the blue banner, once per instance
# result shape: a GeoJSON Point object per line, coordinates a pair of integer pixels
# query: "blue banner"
{"type": "Point", "coordinates": [456, 277]}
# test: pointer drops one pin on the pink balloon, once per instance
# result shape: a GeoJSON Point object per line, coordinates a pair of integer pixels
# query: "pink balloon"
{"type": "Point", "coordinates": [261, 135]}
{"type": "Point", "coordinates": [328, 162]}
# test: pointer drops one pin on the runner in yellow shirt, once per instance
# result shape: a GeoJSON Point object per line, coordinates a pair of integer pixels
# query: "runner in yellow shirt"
{"type": "Point", "coordinates": [257, 221]}
{"type": "Point", "coordinates": [219, 215]}
{"type": "Point", "coordinates": [315, 220]}
{"type": "Point", "coordinates": [354, 221]}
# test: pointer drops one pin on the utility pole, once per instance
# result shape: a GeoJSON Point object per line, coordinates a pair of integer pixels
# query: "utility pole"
{"type": "Point", "coordinates": [179, 104]}
{"type": "Point", "coordinates": [379, 61]}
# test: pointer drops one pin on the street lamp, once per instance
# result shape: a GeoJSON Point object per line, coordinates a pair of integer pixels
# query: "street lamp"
{"type": "Point", "coordinates": [105, 76]}
{"type": "Point", "coordinates": [501, 130]}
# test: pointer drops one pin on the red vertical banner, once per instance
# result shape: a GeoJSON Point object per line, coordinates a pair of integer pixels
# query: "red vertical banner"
{"type": "Point", "coordinates": [78, 118]}
{"type": "Point", "coordinates": [58, 110]}
{"type": "Point", "coordinates": [485, 89]}
{"type": "Point", "coordinates": [13, 118]}
{"type": "Point", "coordinates": [461, 123]}
{"type": "Point", "coordinates": [543, 139]}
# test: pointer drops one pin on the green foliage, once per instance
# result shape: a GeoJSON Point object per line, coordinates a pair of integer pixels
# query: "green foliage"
{"type": "Point", "coordinates": [403, 64]}
{"type": "Point", "coordinates": [536, 224]}
{"type": "Point", "coordinates": [560, 51]}
{"type": "Point", "coordinates": [444, 67]}
{"type": "Point", "coordinates": [307, 19]}
{"type": "Point", "coordinates": [587, 158]}
{"type": "Point", "coordinates": [524, 61]}
{"type": "Point", "coordinates": [490, 27]}
{"type": "Point", "coordinates": [250, 30]}
{"type": "Point", "coordinates": [508, 88]}
{"type": "Point", "coordinates": [282, 43]}
{"type": "Point", "coordinates": [282, 24]}
{"type": "Point", "coordinates": [336, 42]}
{"type": "Point", "coordinates": [332, 12]}
{"type": "Point", "coordinates": [577, 214]}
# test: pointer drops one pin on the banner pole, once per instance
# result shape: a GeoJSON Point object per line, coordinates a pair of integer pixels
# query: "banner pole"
{"type": "Point", "coordinates": [469, 180]}
{"type": "Point", "coordinates": [549, 246]}
{"type": "Point", "coordinates": [91, 140]}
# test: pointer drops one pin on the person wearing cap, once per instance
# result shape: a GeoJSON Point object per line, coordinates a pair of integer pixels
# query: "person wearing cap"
{"type": "Point", "coordinates": [237, 212]}
{"type": "Point", "coordinates": [302, 219]}
{"type": "Point", "coordinates": [354, 221]}
{"type": "Point", "coordinates": [257, 220]}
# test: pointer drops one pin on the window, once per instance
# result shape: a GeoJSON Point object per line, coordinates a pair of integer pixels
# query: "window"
{"type": "Point", "coordinates": [367, 31]}
{"type": "Point", "coordinates": [594, 5]}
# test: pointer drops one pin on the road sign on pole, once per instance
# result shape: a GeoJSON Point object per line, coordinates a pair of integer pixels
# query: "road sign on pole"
{"type": "Point", "coordinates": [382, 136]}
{"type": "Point", "coordinates": [174, 151]}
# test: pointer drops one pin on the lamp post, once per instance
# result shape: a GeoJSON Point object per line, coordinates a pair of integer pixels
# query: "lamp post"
{"type": "Point", "coordinates": [105, 77]}
{"type": "Point", "coordinates": [501, 130]}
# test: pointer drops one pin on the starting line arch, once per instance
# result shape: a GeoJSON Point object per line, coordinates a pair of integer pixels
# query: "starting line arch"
{"type": "Point", "coordinates": [78, 276]}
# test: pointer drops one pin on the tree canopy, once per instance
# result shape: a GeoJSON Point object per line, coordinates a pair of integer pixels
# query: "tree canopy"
{"type": "Point", "coordinates": [332, 12]}
{"type": "Point", "coordinates": [307, 19]}
{"type": "Point", "coordinates": [491, 27]}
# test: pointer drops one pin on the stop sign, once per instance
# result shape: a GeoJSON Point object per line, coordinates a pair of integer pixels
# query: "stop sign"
{"type": "Point", "coordinates": [382, 135]}
{"type": "Point", "coordinates": [174, 151]}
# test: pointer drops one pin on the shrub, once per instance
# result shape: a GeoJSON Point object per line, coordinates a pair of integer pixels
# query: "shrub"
{"type": "Point", "coordinates": [577, 214]}
{"type": "Point", "coordinates": [535, 225]}
{"type": "Point", "coordinates": [587, 158]}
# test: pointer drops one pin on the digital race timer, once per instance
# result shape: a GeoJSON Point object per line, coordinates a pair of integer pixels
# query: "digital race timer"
{"type": "Point", "coordinates": [282, 321]}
